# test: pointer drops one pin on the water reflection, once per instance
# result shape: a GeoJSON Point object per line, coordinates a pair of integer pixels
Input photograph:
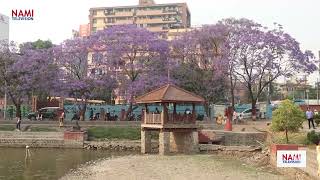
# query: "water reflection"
{"type": "Point", "coordinates": [42, 163]}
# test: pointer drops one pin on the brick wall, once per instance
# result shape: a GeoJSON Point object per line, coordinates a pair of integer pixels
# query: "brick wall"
{"type": "Point", "coordinates": [74, 139]}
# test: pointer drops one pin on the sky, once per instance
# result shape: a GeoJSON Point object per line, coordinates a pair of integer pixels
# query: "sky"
{"type": "Point", "coordinates": [55, 19]}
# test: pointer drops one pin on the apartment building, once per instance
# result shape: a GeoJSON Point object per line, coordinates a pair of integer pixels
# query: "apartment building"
{"type": "Point", "coordinates": [148, 14]}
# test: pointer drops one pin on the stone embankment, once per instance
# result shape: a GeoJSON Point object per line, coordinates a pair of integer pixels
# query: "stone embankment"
{"type": "Point", "coordinates": [32, 139]}
{"type": "Point", "coordinates": [42, 139]}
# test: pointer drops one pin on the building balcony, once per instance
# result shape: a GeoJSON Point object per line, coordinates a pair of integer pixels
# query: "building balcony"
{"type": "Point", "coordinates": [157, 29]}
{"type": "Point", "coordinates": [120, 14]}
{"type": "Point", "coordinates": [155, 21]}
{"type": "Point", "coordinates": [124, 21]}
{"type": "Point", "coordinates": [153, 12]}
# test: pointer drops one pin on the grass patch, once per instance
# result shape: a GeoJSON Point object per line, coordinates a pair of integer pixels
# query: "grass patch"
{"type": "Point", "coordinates": [42, 129]}
{"type": "Point", "coordinates": [7, 128]}
{"type": "Point", "coordinates": [129, 133]}
{"type": "Point", "coordinates": [294, 138]}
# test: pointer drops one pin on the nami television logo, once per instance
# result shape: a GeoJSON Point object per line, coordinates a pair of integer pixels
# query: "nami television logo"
{"type": "Point", "coordinates": [22, 14]}
{"type": "Point", "coordinates": [291, 158]}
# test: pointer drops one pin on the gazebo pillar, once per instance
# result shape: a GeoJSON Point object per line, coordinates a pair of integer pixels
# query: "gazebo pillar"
{"type": "Point", "coordinates": [164, 114]}
{"type": "Point", "coordinates": [164, 142]}
{"type": "Point", "coordinates": [145, 141]}
{"type": "Point", "coordinates": [193, 112]}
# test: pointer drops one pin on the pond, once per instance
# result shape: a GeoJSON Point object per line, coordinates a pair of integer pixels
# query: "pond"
{"type": "Point", "coordinates": [45, 163]}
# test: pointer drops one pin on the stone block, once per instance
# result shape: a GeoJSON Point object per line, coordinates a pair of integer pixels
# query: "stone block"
{"type": "Point", "coordinates": [145, 141]}
{"type": "Point", "coordinates": [164, 142]}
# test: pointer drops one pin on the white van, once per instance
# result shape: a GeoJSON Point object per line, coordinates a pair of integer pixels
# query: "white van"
{"type": "Point", "coordinates": [247, 114]}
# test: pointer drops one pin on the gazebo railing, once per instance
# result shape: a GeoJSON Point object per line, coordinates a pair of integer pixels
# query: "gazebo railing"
{"type": "Point", "coordinates": [152, 118]}
{"type": "Point", "coordinates": [172, 118]}
{"type": "Point", "coordinates": [180, 118]}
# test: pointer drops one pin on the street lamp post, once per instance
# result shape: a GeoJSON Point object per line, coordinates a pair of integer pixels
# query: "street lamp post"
{"type": "Point", "coordinates": [317, 91]}
{"type": "Point", "coordinates": [307, 91]}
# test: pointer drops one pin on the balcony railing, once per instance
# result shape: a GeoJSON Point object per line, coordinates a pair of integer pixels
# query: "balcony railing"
{"type": "Point", "coordinates": [152, 118]}
{"type": "Point", "coordinates": [180, 118]}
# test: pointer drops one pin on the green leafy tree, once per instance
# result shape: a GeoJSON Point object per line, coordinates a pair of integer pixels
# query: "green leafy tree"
{"type": "Point", "coordinates": [288, 117]}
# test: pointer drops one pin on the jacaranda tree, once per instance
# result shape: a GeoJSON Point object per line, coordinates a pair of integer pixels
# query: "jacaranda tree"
{"type": "Point", "coordinates": [136, 56]}
{"type": "Point", "coordinates": [260, 55]}
{"type": "Point", "coordinates": [201, 65]}
{"type": "Point", "coordinates": [72, 58]}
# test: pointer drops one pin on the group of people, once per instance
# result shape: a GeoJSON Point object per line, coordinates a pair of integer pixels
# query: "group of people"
{"type": "Point", "coordinates": [109, 115]}
{"type": "Point", "coordinates": [221, 119]}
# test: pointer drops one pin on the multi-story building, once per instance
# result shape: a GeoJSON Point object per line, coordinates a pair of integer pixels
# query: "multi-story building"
{"type": "Point", "coordinates": [148, 14]}
{"type": "Point", "coordinates": [4, 27]}
{"type": "Point", "coordinates": [84, 31]}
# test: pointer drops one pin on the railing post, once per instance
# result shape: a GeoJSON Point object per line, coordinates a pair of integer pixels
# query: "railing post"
{"type": "Point", "coordinates": [162, 118]}
{"type": "Point", "coordinates": [144, 116]}
{"type": "Point", "coordinates": [193, 113]}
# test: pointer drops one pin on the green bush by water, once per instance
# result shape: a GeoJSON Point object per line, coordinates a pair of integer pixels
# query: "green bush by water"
{"type": "Point", "coordinates": [129, 133]}
{"type": "Point", "coordinates": [7, 128]}
{"type": "Point", "coordinates": [42, 129]}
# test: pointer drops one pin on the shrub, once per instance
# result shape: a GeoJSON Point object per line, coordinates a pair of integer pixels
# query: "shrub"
{"type": "Point", "coordinates": [288, 117]}
{"type": "Point", "coordinates": [130, 133]}
{"type": "Point", "coordinates": [313, 137]}
{"type": "Point", "coordinates": [317, 119]}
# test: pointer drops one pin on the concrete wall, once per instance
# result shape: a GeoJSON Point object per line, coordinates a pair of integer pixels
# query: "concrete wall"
{"type": "Point", "coordinates": [229, 138]}
{"type": "Point", "coordinates": [312, 164]}
{"type": "Point", "coordinates": [244, 138]}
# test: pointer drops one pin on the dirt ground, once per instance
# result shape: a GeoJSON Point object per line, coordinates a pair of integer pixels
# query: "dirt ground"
{"type": "Point", "coordinates": [154, 167]}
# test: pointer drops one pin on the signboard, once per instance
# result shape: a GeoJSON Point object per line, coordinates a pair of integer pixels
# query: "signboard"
{"type": "Point", "coordinates": [291, 158]}
{"type": "Point", "coordinates": [219, 109]}
{"type": "Point", "coordinates": [262, 107]}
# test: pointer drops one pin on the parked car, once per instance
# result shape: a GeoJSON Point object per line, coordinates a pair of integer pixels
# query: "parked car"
{"type": "Point", "coordinates": [45, 113]}
{"type": "Point", "coordinates": [247, 114]}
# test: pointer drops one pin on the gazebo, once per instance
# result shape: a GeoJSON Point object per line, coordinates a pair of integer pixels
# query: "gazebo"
{"type": "Point", "coordinates": [177, 130]}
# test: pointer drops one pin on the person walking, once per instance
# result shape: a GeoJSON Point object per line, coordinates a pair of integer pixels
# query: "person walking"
{"type": "Point", "coordinates": [18, 123]}
{"type": "Point", "coordinates": [235, 117]}
{"type": "Point", "coordinates": [309, 115]}
{"type": "Point", "coordinates": [91, 114]}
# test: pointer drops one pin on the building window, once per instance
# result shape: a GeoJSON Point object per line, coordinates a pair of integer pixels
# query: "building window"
{"type": "Point", "coordinates": [94, 12]}
{"type": "Point", "coordinates": [94, 29]}
{"type": "Point", "coordinates": [94, 21]}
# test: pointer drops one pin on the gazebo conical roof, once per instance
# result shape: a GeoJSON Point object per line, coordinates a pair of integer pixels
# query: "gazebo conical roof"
{"type": "Point", "coordinates": [169, 93]}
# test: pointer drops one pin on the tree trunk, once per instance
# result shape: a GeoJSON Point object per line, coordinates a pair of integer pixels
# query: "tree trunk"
{"type": "Point", "coordinates": [232, 98]}
{"type": "Point", "coordinates": [18, 110]}
{"type": "Point", "coordinates": [82, 113]}
{"type": "Point", "coordinates": [128, 113]}
{"type": "Point", "coordinates": [254, 110]}
{"type": "Point", "coordinates": [287, 136]}
{"type": "Point", "coordinates": [232, 87]}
